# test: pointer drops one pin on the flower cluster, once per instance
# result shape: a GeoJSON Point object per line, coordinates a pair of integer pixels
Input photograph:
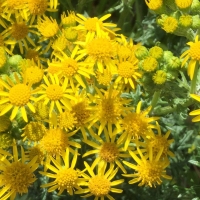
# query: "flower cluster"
{"type": "Point", "coordinates": [61, 89]}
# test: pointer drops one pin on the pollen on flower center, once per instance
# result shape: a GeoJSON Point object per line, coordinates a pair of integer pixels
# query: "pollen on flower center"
{"type": "Point", "coordinates": [90, 24]}
{"type": "Point", "coordinates": [67, 178]}
{"type": "Point", "coordinates": [99, 186]}
{"type": "Point", "coordinates": [109, 152]}
{"type": "Point", "coordinates": [18, 176]}
{"type": "Point", "coordinates": [19, 95]}
{"type": "Point", "coordinates": [125, 69]}
{"type": "Point", "coordinates": [19, 31]}
{"type": "Point", "coordinates": [150, 172]}
{"type": "Point", "coordinates": [37, 7]}
{"type": "Point", "coordinates": [54, 92]}
{"type": "Point", "coordinates": [69, 67]}
{"type": "Point", "coordinates": [194, 51]}
{"type": "Point", "coordinates": [100, 48]}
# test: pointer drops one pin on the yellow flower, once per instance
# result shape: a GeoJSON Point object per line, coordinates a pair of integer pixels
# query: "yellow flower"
{"type": "Point", "coordinates": [107, 150]}
{"type": "Point", "coordinates": [18, 96]}
{"type": "Point", "coordinates": [195, 112]}
{"type": "Point", "coordinates": [55, 93]}
{"type": "Point", "coordinates": [183, 3]}
{"type": "Point", "coordinates": [185, 21]}
{"type": "Point", "coordinates": [69, 20]}
{"type": "Point", "coordinates": [16, 175]}
{"type": "Point", "coordinates": [56, 140]}
{"type": "Point", "coordinates": [169, 24]}
{"type": "Point", "coordinates": [99, 50]}
{"type": "Point", "coordinates": [193, 55]}
{"type": "Point", "coordinates": [156, 52]}
{"type": "Point", "coordinates": [72, 69]}
{"type": "Point", "coordinates": [90, 24]}
{"type": "Point", "coordinates": [104, 78]}
{"type": "Point", "coordinates": [100, 184]}
{"type": "Point", "coordinates": [150, 64]}
{"type": "Point", "coordinates": [66, 177]}
{"type": "Point", "coordinates": [154, 4]}
{"type": "Point", "coordinates": [136, 125]}
{"type": "Point", "coordinates": [148, 172]}
{"type": "Point", "coordinates": [18, 33]}
{"type": "Point", "coordinates": [160, 77]}
{"type": "Point", "coordinates": [108, 109]}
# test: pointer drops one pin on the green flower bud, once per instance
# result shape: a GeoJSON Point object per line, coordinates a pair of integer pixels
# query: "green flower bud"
{"type": "Point", "coordinates": [167, 55]}
{"type": "Point", "coordinates": [174, 62]}
{"type": "Point", "coordinates": [156, 52]}
{"type": "Point", "coordinates": [71, 34]}
{"type": "Point", "coordinates": [141, 52]}
{"type": "Point", "coordinates": [14, 60]}
{"type": "Point", "coordinates": [195, 6]}
{"type": "Point", "coordinates": [185, 21]}
{"type": "Point", "coordinates": [195, 21]}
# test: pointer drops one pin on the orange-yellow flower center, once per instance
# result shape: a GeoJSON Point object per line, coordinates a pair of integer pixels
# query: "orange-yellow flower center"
{"type": "Point", "coordinates": [67, 178]}
{"type": "Point", "coordinates": [37, 7]}
{"type": "Point", "coordinates": [100, 49]}
{"type": "Point", "coordinates": [109, 152]}
{"type": "Point", "coordinates": [91, 23]}
{"type": "Point", "coordinates": [54, 92]}
{"type": "Point", "coordinates": [19, 95]}
{"type": "Point", "coordinates": [34, 74]}
{"type": "Point", "coordinates": [69, 67]}
{"type": "Point", "coordinates": [99, 186]}
{"type": "Point", "coordinates": [19, 30]}
{"type": "Point", "coordinates": [194, 51]}
{"type": "Point", "coordinates": [126, 69]}
{"type": "Point", "coordinates": [18, 176]}
{"type": "Point", "coordinates": [67, 120]}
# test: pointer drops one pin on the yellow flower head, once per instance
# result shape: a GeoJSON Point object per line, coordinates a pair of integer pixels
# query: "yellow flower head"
{"type": "Point", "coordinates": [17, 96]}
{"type": "Point", "coordinates": [160, 77]}
{"type": "Point", "coordinates": [100, 184]}
{"type": "Point", "coordinates": [90, 24]}
{"type": "Point", "coordinates": [185, 21]}
{"type": "Point", "coordinates": [136, 125]}
{"type": "Point", "coordinates": [182, 4]}
{"type": "Point", "coordinates": [16, 174]}
{"type": "Point", "coordinates": [150, 64]}
{"type": "Point", "coordinates": [170, 24]}
{"type": "Point", "coordinates": [154, 4]}
{"type": "Point", "coordinates": [156, 52]}
{"type": "Point", "coordinates": [104, 78]}
{"type": "Point", "coordinates": [69, 20]}
{"type": "Point", "coordinates": [55, 93]}
{"type": "Point", "coordinates": [192, 54]}
{"type": "Point", "coordinates": [148, 172]}
{"type": "Point", "coordinates": [34, 131]}
{"type": "Point", "coordinates": [65, 175]}
{"type": "Point", "coordinates": [107, 150]}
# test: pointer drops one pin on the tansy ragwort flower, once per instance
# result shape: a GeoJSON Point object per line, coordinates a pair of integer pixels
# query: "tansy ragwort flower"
{"type": "Point", "coordinates": [148, 172]}
{"type": "Point", "coordinates": [183, 3]}
{"type": "Point", "coordinates": [195, 112]}
{"type": "Point", "coordinates": [16, 174]}
{"type": "Point", "coordinates": [71, 68]}
{"type": "Point", "coordinates": [55, 93]}
{"type": "Point", "coordinates": [154, 4]}
{"type": "Point", "coordinates": [107, 150]}
{"type": "Point", "coordinates": [99, 49]}
{"type": "Point", "coordinates": [17, 96]}
{"type": "Point", "coordinates": [100, 184]}
{"type": "Point", "coordinates": [136, 125]}
{"type": "Point", "coordinates": [65, 175]}
{"type": "Point", "coordinates": [90, 24]}
{"type": "Point", "coordinates": [192, 54]}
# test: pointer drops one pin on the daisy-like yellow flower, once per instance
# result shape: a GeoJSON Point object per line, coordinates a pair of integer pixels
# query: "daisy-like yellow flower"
{"type": "Point", "coordinates": [100, 184]}
{"type": "Point", "coordinates": [55, 93]}
{"type": "Point", "coordinates": [99, 49]}
{"type": "Point", "coordinates": [148, 172]}
{"type": "Point", "coordinates": [65, 175]}
{"type": "Point", "coordinates": [193, 55]}
{"type": "Point", "coordinates": [107, 151]}
{"type": "Point", "coordinates": [136, 125]}
{"type": "Point", "coordinates": [56, 140]}
{"type": "Point", "coordinates": [16, 96]}
{"type": "Point", "coordinates": [18, 33]}
{"type": "Point", "coordinates": [108, 109]}
{"type": "Point", "coordinates": [16, 174]}
{"type": "Point", "coordinates": [37, 8]}
{"type": "Point", "coordinates": [195, 112]}
{"type": "Point", "coordinates": [72, 69]}
{"type": "Point", "coordinates": [90, 24]}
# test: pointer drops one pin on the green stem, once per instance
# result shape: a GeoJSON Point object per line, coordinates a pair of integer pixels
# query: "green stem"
{"type": "Point", "coordinates": [155, 99]}
{"type": "Point", "coordinates": [194, 80]}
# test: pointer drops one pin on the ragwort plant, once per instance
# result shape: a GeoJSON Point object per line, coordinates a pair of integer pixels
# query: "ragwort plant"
{"type": "Point", "coordinates": [95, 104]}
